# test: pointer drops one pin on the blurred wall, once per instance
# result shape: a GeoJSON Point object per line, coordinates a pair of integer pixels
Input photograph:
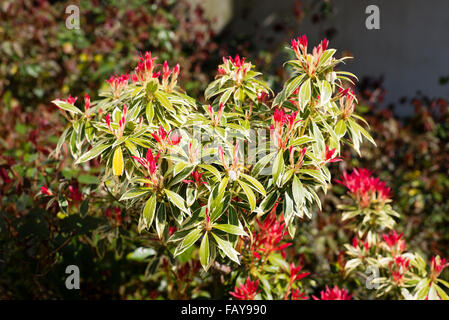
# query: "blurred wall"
{"type": "Point", "coordinates": [218, 11]}
{"type": "Point", "coordinates": [411, 49]}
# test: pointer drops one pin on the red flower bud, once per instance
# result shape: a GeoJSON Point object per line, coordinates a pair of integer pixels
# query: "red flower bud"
{"type": "Point", "coordinates": [86, 102]}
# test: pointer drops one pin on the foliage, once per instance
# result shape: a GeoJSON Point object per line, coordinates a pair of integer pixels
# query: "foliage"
{"type": "Point", "coordinates": [396, 271]}
{"type": "Point", "coordinates": [414, 152]}
{"type": "Point", "coordinates": [146, 135]}
{"type": "Point", "coordinates": [41, 58]}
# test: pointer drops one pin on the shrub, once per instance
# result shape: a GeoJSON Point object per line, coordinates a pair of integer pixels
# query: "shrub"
{"type": "Point", "coordinates": [191, 174]}
{"type": "Point", "coordinates": [395, 271]}
{"type": "Point", "coordinates": [412, 157]}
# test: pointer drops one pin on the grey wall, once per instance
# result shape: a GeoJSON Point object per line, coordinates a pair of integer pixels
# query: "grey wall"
{"type": "Point", "coordinates": [411, 50]}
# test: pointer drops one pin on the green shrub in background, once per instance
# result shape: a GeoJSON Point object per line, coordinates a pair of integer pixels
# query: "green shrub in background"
{"type": "Point", "coordinates": [414, 161]}
{"type": "Point", "coordinates": [41, 58]}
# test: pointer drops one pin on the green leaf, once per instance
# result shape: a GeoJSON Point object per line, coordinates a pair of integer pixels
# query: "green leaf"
{"type": "Point", "coordinates": [317, 134]}
{"type": "Point", "coordinates": [181, 234]}
{"type": "Point", "coordinates": [63, 203]}
{"type": "Point", "coordinates": [152, 86]}
{"type": "Point", "coordinates": [163, 100]}
{"type": "Point", "coordinates": [227, 248]}
{"type": "Point", "coordinates": [132, 148]}
{"type": "Point", "coordinates": [94, 152]}
{"type": "Point", "coordinates": [288, 89]}
{"type": "Point", "coordinates": [222, 186]}
{"type": "Point", "coordinates": [276, 259]}
{"type": "Point", "coordinates": [262, 163]}
{"type": "Point", "coordinates": [215, 202]}
{"type": "Point", "coordinates": [305, 93]}
{"type": "Point", "coordinates": [269, 201]}
{"type": "Point", "coordinates": [191, 194]}
{"type": "Point", "coordinates": [212, 89]}
{"type": "Point", "coordinates": [326, 56]}
{"type": "Point", "coordinates": [236, 127]}
{"type": "Point", "coordinates": [177, 168]}
{"type": "Point", "coordinates": [266, 286]}
{"type": "Point", "coordinates": [359, 128]}
{"type": "Point", "coordinates": [134, 112]}
{"type": "Point", "coordinates": [278, 167]}
{"type": "Point", "coordinates": [161, 221]}
{"type": "Point", "coordinates": [67, 106]}
{"type": "Point", "coordinates": [445, 283]}
{"type": "Point", "coordinates": [300, 141]}
{"type": "Point", "coordinates": [149, 112]}
{"type": "Point", "coordinates": [288, 208]}
{"type": "Point", "coordinates": [211, 169]}
{"type": "Point", "coordinates": [315, 197]}
{"type": "Point", "coordinates": [239, 94]}
{"type": "Point", "coordinates": [249, 194]}
{"type": "Point", "coordinates": [188, 241]}
{"type": "Point", "coordinates": [441, 293]}
{"type": "Point", "coordinates": [177, 200]}
{"type": "Point", "coordinates": [182, 175]}
{"type": "Point", "coordinates": [352, 264]}
{"type": "Point", "coordinates": [286, 177]}
{"type": "Point", "coordinates": [313, 173]}
{"type": "Point", "coordinates": [148, 210]}
{"type": "Point", "coordinates": [293, 85]}
{"type": "Point", "coordinates": [325, 92]}
{"type": "Point", "coordinates": [298, 191]}
{"type": "Point", "coordinates": [89, 132]}
{"type": "Point", "coordinates": [134, 193]}
{"type": "Point", "coordinates": [340, 128]}
{"type": "Point", "coordinates": [62, 139]}
{"type": "Point", "coordinates": [356, 137]}
{"type": "Point", "coordinates": [88, 179]}
{"type": "Point", "coordinates": [348, 74]}
{"type": "Point", "coordinates": [424, 289]}
{"type": "Point", "coordinates": [160, 114]}
{"type": "Point", "coordinates": [229, 228]}
{"type": "Point", "coordinates": [141, 253]}
{"type": "Point", "coordinates": [233, 220]}
{"type": "Point", "coordinates": [225, 97]}
{"type": "Point", "coordinates": [256, 184]}
{"type": "Point", "coordinates": [205, 252]}
{"type": "Point", "coordinates": [432, 295]}
{"type": "Point", "coordinates": [116, 115]}
{"type": "Point", "coordinates": [73, 148]}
